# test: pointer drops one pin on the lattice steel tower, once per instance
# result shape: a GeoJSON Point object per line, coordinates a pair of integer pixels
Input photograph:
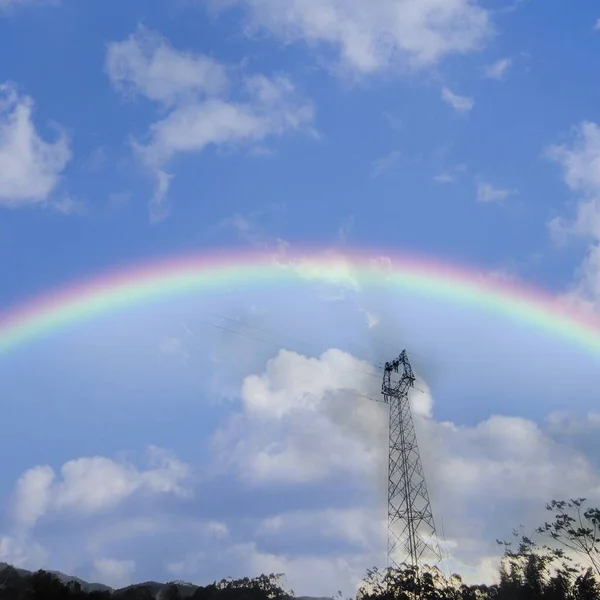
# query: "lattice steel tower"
{"type": "Point", "coordinates": [412, 538]}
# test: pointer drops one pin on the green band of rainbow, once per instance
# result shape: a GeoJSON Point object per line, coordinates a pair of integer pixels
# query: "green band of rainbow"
{"type": "Point", "coordinates": [191, 274]}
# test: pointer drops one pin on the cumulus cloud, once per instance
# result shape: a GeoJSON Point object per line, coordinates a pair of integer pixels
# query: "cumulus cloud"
{"type": "Point", "coordinates": [579, 158]}
{"type": "Point", "coordinates": [198, 91]}
{"type": "Point", "coordinates": [115, 573]}
{"type": "Point", "coordinates": [307, 393]}
{"type": "Point", "coordinates": [461, 104]}
{"type": "Point", "coordinates": [488, 193]}
{"type": "Point", "coordinates": [363, 527]}
{"type": "Point", "coordinates": [30, 167]}
{"type": "Point", "coordinates": [90, 484]}
{"type": "Point", "coordinates": [390, 34]}
{"type": "Point", "coordinates": [308, 427]}
{"type": "Point", "coordinates": [33, 494]}
{"type": "Point", "coordinates": [498, 69]}
{"type": "Point", "coordinates": [306, 420]}
{"type": "Point", "coordinates": [309, 573]}
{"type": "Point", "coordinates": [16, 550]}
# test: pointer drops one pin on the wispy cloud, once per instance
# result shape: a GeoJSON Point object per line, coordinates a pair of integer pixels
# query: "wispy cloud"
{"type": "Point", "coordinates": [579, 158]}
{"type": "Point", "coordinates": [68, 205]}
{"type": "Point", "coordinates": [486, 192]}
{"type": "Point", "coordinates": [193, 88]}
{"type": "Point", "coordinates": [385, 163]}
{"type": "Point", "coordinates": [461, 104]}
{"type": "Point", "coordinates": [252, 227]}
{"type": "Point", "coordinates": [30, 167]}
{"type": "Point", "coordinates": [498, 69]}
{"type": "Point", "coordinates": [450, 175]}
{"type": "Point", "coordinates": [346, 229]}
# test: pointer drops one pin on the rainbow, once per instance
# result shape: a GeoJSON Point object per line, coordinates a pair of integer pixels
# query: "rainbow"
{"type": "Point", "coordinates": [116, 290]}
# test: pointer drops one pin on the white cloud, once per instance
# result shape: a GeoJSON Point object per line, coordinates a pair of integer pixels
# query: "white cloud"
{"type": "Point", "coordinates": [218, 529]}
{"type": "Point", "coordinates": [308, 574]}
{"type": "Point", "coordinates": [271, 110]}
{"type": "Point", "coordinates": [6, 4]}
{"type": "Point", "coordinates": [30, 168]}
{"type": "Point", "coordinates": [451, 175]}
{"type": "Point", "coordinates": [498, 69]}
{"type": "Point", "coordinates": [146, 64]}
{"type": "Point", "coordinates": [295, 388]}
{"type": "Point", "coordinates": [363, 527]}
{"type": "Point", "coordinates": [346, 229]}
{"type": "Point", "coordinates": [115, 573]}
{"type": "Point", "coordinates": [307, 419]}
{"type": "Point", "coordinates": [252, 227]}
{"type": "Point", "coordinates": [96, 483]}
{"type": "Point", "coordinates": [22, 552]}
{"type": "Point", "coordinates": [461, 104]}
{"type": "Point", "coordinates": [579, 158]}
{"type": "Point", "coordinates": [302, 392]}
{"type": "Point", "coordinates": [486, 192]}
{"type": "Point", "coordinates": [305, 574]}
{"type": "Point", "coordinates": [444, 178]}
{"type": "Point", "coordinates": [316, 402]}
{"type": "Point", "coordinates": [344, 275]}
{"type": "Point", "coordinates": [314, 422]}
{"type": "Point", "coordinates": [69, 206]}
{"type": "Point", "coordinates": [597, 25]}
{"type": "Point", "coordinates": [372, 319]}
{"type": "Point", "coordinates": [159, 208]}
{"type": "Point", "coordinates": [33, 494]}
{"type": "Point", "coordinates": [385, 163]}
{"type": "Point", "coordinates": [202, 112]}
{"type": "Point", "coordinates": [510, 453]}
{"type": "Point", "coordinates": [389, 34]}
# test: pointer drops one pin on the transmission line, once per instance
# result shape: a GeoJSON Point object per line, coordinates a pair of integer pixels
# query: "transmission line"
{"type": "Point", "coordinates": [411, 526]}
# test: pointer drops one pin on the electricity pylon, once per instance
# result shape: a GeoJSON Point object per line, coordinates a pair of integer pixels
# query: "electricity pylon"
{"type": "Point", "coordinates": [412, 538]}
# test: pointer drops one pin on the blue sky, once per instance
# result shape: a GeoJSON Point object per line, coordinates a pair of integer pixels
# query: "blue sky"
{"type": "Point", "coordinates": [150, 444]}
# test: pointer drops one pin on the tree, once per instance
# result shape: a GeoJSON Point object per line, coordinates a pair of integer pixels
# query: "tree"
{"type": "Point", "coordinates": [12, 585]}
{"type": "Point", "coordinates": [136, 592]}
{"type": "Point", "coordinates": [406, 583]}
{"type": "Point", "coordinates": [206, 593]}
{"type": "Point", "coordinates": [46, 586]}
{"type": "Point", "coordinates": [171, 592]}
{"type": "Point", "coordinates": [586, 587]}
{"type": "Point", "coordinates": [575, 528]}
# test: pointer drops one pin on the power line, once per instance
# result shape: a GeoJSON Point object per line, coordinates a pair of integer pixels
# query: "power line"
{"type": "Point", "coordinates": [280, 346]}
{"type": "Point", "coordinates": [409, 507]}
{"type": "Point", "coordinates": [378, 366]}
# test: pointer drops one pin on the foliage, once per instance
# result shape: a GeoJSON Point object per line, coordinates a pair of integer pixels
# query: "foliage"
{"type": "Point", "coordinates": [575, 528]}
